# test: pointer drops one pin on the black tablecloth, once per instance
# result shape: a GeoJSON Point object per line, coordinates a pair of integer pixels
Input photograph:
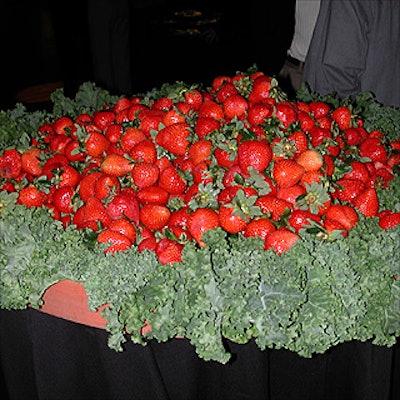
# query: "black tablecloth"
{"type": "Point", "coordinates": [45, 357]}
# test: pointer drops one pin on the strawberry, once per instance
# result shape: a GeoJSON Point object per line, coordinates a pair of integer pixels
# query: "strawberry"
{"type": "Point", "coordinates": [224, 157]}
{"type": "Point", "coordinates": [300, 219]}
{"type": "Point", "coordinates": [10, 164]}
{"type": "Point", "coordinates": [200, 221]}
{"type": "Point", "coordinates": [87, 185]}
{"type": "Point", "coordinates": [173, 117]}
{"type": "Point", "coordinates": [124, 204]}
{"type": "Point", "coordinates": [219, 80]}
{"type": "Point", "coordinates": [62, 199]}
{"type": "Point", "coordinates": [367, 202]}
{"type": "Point", "coordinates": [319, 109]}
{"type": "Point", "coordinates": [115, 164]}
{"type": "Point", "coordinates": [104, 118]}
{"type": "Point", "coordinates": [342, 116]}
{"type": "Point", "coordinates": [281, 240]}
{"type": "Point", "coordinates": [286, 113]}
{"type": "Point", "coordinates": [117, 240]}
{"type": "Point", "coordinates": [122, 104]}
{"type": "Point", "coordinates": [106, 185]}
{"type": "Point", "coordinates": [258, 113]}
{"type": "Point", "coordinates": [154, 216]}
{"type": "Point", "coordinates": [63, 126]}
{"type": "Point", "coordinates": [389, 220]}
{"type": "Point", "coordinates": [354, 136]}
{"type": "Point", "coordinates": [150, 120]}
{"type": "Point", "coordinates": [124, 226]}
{"type": "Point", "coordinates": [273, 206]}
{"type": "Point", "coordinates": [229, 221]}
{"type": "Point", "coordinates": [145, 174]}
{"type": "Point", "coordinates": [113, 132]}
{"type": "Point", "coordinates": [31, 196]}
{"type": "Point", "coordinates": [131, 137]}
{"type": "Point", "coordinates": [343, 214]}
{"type": "Point", "coordinates": [255, 154]}
{"type": "Point", "coordinates": [30, 161]}
{"type": "Point", "coordinates": [194, 98]}
{"type": "Point", "coordinates": [374, 149]}
{"type": "Point", "coordinates": [171, 181]}
{"type": "Point", "coordinates": [95, 211]}
{"type": "Point", "coordinates": [298, 141]}
{"type": "Point", "coordinates": [58, 143]}
{"type": "Point", "coordinates": [291, 193]}
{"type": "Point", "coordinates": [96, 144]}
{"type": "Point", "coordinates": [226, 90]}
{"type": "Point", "coordinates": [287, 172]}
{"type": "Point", "coordinates": [73, 152]}
{"type": "Point", "coordinates": [144, 151]}
{"type": "Point", "coordinates": [306, 121]}
{"type": "Point", "coordinates": [200, 151]}
{"type": "Point", "coordinates": [211, 109]}
{"type": "Point", "coordinates": [319, 135]}
{"type": "Point", "coordinates": [206, 125]}
{"type": "Point", "coordinates": [358, 172]}
{"type": "Point", "coordinates": [261, 90]}
{"type": "Point", "coordinates": [310, 160]}
{"type": "Point", "coordinates": [152, 195]}
{"type": "Point", "coordinates": [259, 227]}
{"type": "Point", "coordinates": [311, 176]}
{"type": "Point", "coordinates": [348, 189]}
{"type": "Point", "coordinates": [235, 106]}
{"type": "Point", "coordinates": [169, 251]}
{"type": "Point", "coordinates": [174, 138]}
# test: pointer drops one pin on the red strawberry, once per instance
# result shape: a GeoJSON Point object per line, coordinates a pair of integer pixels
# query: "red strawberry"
{"type": "Point", "coordinates": [113, 133]}
{"type": "Point", "coordinates": [117, 240]}
{"type": "Point", "coordinates": [367, 202]}
{"type": "Point", "coordinates": [115, 164]}
{"type": "Point", "coordinates": [106, 185]}
{"type": "Point", "coordinates": [173, 117]}
{"type": "Point", "coordinates": [31, 196]}
{"type": "Point", "coordinates": [174, 138]}
{"type": "Point", "coordinates": [287, 172]}
{"type": "Point", "coordinates": [348, 189]}
{"type": "Point", "coordinates": [342, 116]}
{"type": "Point", "coordinates": [64, 126]}
{"type": "Point", "coordinates": [103, 119]}
{"type": "Point", "coordinates": [255, 154]}
{"type": "Point", "coordinates": [258, 113]}
{"type": "Point", "coordinates": [306, 121]}
{"type": "Point", "coordinates": [124, 226]}
{"type": "Point", "coordinates": [272, 205]}
{"type": "Point", "coordinates": [131, 137]}
{"type": "Point", "coordinates": [154, 216]}
{"type": "Point", "coordinates": [319, 135]}
{"type": "Point", "coordinates": [96, 144]}
{"type": "Point", "coordinates": [10, 164]}
{"type": "Point", "coordinates": [354, 136]}
{"type": "Point", "coordinates": [200, 221]}
{"type": "Point", "coordinates": [319, 109]}
{"type": "Point", "coordinates": [374, 149]}
{"type": "Point", "coordinates": [291, 193]}
{"type": "Point", "coordinates": [62, 198]}
{"type": "Point", "coordinates": [280, 240]}
{"type": "Point", "coordinates": [389, 220]}
{"type": "Point", "coordinates": [286, 113]}
{"type": "Point", "coordinates": [343, 214]}
{"type": "Point", "coordinates": [30, 161]}
{"type": "Point", "coordinates": [87, 185]}
{"type": "Point", "coordinates": [225, 158]}
{"type": "Point", "coordinates": [211, 109]}
{"type": "Point", "coordinates": [169, 251]}
{"type": "Point", "coordinates": [95, 211]}
{"type": "Point", "coordinates": [229, 221]}
{"type": "Point", "coordinates": [124, 204]}
{"type": "Point", "coordinates": [310, 160]}
{"type": "Point", "coordinates": [260, 227]}
{"type": "Point", "coordinates": [200, 151]}
{"type": "Point", "coordinates": [235, 106]}
{"type": "Point", "coordinates": [145, 174]}
{"type": "Point", "coordinates": [194, 98]}
{"type": "Point", "coordinates": [358, 171]}
{"type": "Point", "coordinates": [300, 219]}
{"type": "Point", "coordinates": [171, 181]}
{"type": "Point", "coordinates": [152, 195]}
{"type": "Point", "coordinates": [144, 151]}
{"type": "Point", "coordinates": [73, 151]}
{"type": "Point", "coordinates": [206, 125]}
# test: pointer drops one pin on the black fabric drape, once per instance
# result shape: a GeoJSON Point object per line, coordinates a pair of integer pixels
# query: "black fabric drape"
{"type": "Point", "coordinates": [45, 357]}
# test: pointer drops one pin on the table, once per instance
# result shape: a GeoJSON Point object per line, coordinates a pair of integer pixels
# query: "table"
{"type": "Point", "coordinates": [46, 357]}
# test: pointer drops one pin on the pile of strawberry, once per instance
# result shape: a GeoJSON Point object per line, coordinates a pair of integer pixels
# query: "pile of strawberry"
{"type": "Point", "coordinates": [238, 156]}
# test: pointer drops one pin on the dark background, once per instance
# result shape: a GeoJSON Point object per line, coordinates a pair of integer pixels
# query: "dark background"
{"type": "Point", "coordinates": [46, 43]}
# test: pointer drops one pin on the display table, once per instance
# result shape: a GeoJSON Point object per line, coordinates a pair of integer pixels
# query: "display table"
{"type": "Point", "coordinates": [47, 357]}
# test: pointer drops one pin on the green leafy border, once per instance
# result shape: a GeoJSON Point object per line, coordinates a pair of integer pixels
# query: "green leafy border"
{"type": "Point", "coordinates": [309, 299]}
